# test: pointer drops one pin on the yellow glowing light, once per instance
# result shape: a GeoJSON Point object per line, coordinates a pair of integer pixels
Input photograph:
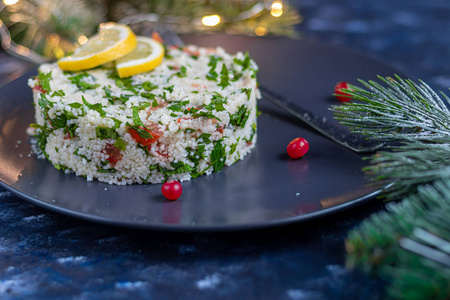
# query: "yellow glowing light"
{"type": "Point", "coordinates": [211, 20]}
{"type": "Point", "coordinates": [82, 39]}
{"type": "Point", "coordinates": [10, 2]}
{"type": "Point", "coordinates": [276, 9]}
{"type": "Point", "coordinates": [260, 30]}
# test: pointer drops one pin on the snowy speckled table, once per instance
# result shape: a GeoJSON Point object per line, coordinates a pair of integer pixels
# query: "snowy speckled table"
{"type": "Point", "coordinates": [45, 255]}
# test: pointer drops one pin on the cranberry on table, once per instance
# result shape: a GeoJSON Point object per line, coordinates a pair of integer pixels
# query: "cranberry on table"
{"type": "Point", "coordinates": [340, 95]}
{"type": "Point", "coordinates": [172, 190]}
{"type": "Point", "coordinates": [297, 147]}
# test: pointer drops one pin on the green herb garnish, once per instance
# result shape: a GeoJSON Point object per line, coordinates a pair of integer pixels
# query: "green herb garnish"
{"type": "Point", "coordinates": [106, 133]}
{"type": "Point", "coordinates": [79, 81]}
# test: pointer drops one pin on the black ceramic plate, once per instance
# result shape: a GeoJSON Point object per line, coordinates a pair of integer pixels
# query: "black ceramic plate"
{"type": "Point", "coordinates": [265, 189]}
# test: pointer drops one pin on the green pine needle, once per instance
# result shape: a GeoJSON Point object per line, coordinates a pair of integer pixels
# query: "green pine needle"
{"type": "Point", "coordinates": [410, 165]}
{"type": "Point", "coordinates": [417, 169]}
{"type": "Point", "coordinates": [407, 112]}
{"type": "Point", "coordinates": [374, 246]}
{"type": "Point", "coordinates": [400, 110]}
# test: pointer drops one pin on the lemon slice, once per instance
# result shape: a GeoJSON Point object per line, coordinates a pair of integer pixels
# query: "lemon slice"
{"type": "Point", "coordinates": [111, 42]}
{"type": "Point", "coordinates": [147, 55]}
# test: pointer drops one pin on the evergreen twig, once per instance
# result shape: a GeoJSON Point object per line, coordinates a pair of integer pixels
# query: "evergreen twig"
{"type": "Point", "coordinates": [413, 115]}
{"type": "Point", "coordinates": [374, 245]}
{"type": "Point", "coordinates": [407, 112]}
{"type": "Point", "coordinates": [401, 110]}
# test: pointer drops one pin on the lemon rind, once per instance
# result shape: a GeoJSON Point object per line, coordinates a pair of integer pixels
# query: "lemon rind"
{"type": "Point", "coordinates": [142, 65]}
{"type": "Point", "coordinates": [119, 49]}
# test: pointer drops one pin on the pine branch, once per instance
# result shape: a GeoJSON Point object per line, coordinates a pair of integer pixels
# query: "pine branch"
{"type": "Point", "coordinates": [400, 110]}
{"type": "Point", "coordinates": [409, 166]}
{"type": "Point", "coordinates": [400, 244]}
{"type": "Point", "coordinates": [376, 245]}
{"type": "Point", "coordinates": [406, 112]}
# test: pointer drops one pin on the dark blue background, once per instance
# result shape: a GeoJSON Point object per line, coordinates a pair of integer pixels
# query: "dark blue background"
{"type": "Point", "coordinates": [45, 255]}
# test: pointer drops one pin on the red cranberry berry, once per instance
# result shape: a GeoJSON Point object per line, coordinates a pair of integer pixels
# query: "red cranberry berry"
{"type": "Point", "coordinates": [297, 147]}
{"type": "Point", "coordinates": [171, 190]}
{"type": "Point", "coordinates": [340, 95]}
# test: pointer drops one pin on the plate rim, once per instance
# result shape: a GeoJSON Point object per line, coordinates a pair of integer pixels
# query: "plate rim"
{"type": "Point", "coordinates": [195, 228]}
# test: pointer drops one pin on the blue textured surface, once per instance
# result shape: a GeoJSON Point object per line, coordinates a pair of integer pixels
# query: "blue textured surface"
{"type": "Point", "coordinates": [45, 255]}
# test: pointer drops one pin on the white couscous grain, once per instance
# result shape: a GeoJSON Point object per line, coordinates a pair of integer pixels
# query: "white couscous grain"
{"type": "Point", "coordinates": [192, 115]}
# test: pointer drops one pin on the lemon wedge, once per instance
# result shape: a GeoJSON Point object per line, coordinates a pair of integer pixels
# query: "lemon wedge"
{"type": "Point", "coordinates": [147, 55]}
{"type": "Point", "coordinates": [111, 42]}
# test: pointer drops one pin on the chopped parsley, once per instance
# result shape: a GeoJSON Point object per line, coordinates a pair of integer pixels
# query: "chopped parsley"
{"type": "Point", "coordinates": [233, 146]}
{"type": "Point", "coordinates": [61, 120]}
{"type": "Point", "coordinates": [80, 155]}
{"type": "Point", "coordinates": [70, 129]}
{"type": "Point", "coordinates": [148, 86]}
{"type": "Point", "coordinates": [112, 99]}
{"type": "Point", "coordinates": [205, 137]}
{"type": "Point", "coordinates": [139, 126]}
{"type": "Point", "coordinates": [106, 133]}
{"type": "Point", "coordinates": [59, 93]}
{"type": "Point", "coordinates": [45, 105]}
{"type": "Point", "coordinates": [240, 117]}
{"type": "Point", "coordinates": [76, 105]}
{"type": "Point", "coordinates": [206, 115]}
{"type": "Point", "coordinates": [97, 107]}
{"type": "Point", "coordinates": [252, 135]}
{"type": "Point", "coordinates": [218, 156]}
{"type": "Point", "coordinates": [247, 91]}
{"type": "Point", "coordinates": [195, 157]}
{"type": "Point", "coordinates": [42, 133]}
{"type": "Point", "coordinates": [217, 103]}
{"type": "Point", "coordinates": [236, 75]}
{"type": "Point", "coordinates": [169, 88]}
{"type": "Point", "coordinates": [182, 72]}
{"type": "Point", "coordinates": [213, 59]}
{"type": "Point", "coordinates": [117, 123]}
{"type": "Point", "coordinates": [179, 167]}
{"type": "Point", "coordinates": [224, 78]}
{"type": "Point", "coordinates": [136, 119]}
{"type": "Point", "coordinates": [177, 105]}
{"type": "Point", "coordinates": [212, 74]}
{"type": "Point", "coordinates": [144, 105]}
{"type": "Point", "coordinates": [148, 95]}
{"type": "Point", "coordinates": [244, 63]}
{"type": "Point", "coordinates": [44, 81]}
{"type": "Point", "coordinates": [100, 169]}
{"type": "Point", "coordinates": [123, 83]}
{"type": "Point", "coordinates": [79, 81]}
{"type": "Point", "coordinates": [120, 144]}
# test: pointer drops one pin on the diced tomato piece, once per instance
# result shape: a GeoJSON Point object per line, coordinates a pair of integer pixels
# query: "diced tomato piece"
{"type": "Point", "coordinates": [156, 134]}
{"type": "Point", "coordinates": [39, 89]}
{"type": "Point", "coordinates": [190, 52]}
{"type": "Point", "coordinates": [114, 154]}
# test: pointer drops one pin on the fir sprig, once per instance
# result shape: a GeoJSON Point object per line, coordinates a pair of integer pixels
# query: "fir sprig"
{"type": "Point", "coordinates": [376, 245]}
{"type": "Point", "coordinates": [416, 119]}
{"type": "Point", "coordinates": [400, 110]}
{"type": "Point", "coordinates": [407, 112]}
{"type": "Point", "coordinates": [409, 166]}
